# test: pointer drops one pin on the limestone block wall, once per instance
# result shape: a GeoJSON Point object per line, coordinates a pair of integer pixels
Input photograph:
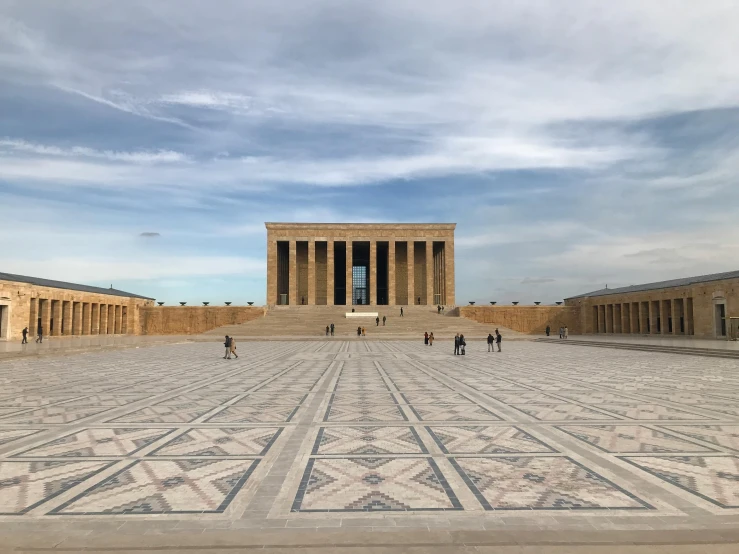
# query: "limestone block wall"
{"type": "Point", "coordinates": [531, 320]}
{"type": "Point", "coordinates": [192, 320]}
{"type": "Point", "coordinates": [24, 303]}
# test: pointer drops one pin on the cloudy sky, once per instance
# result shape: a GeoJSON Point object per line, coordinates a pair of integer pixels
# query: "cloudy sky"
{"type": "Point", "coordinates": [144, 144]}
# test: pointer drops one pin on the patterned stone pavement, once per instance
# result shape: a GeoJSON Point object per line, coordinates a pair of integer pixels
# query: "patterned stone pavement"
{"type": "Point", "coordinates": [370, 434]}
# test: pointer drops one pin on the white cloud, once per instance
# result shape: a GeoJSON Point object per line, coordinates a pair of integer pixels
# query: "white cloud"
{"type": "Point", "coordinates": [142, 157]}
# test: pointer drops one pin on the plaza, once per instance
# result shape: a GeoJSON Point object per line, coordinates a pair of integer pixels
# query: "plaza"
{"type": "Point", "coordinates": [170, 444]}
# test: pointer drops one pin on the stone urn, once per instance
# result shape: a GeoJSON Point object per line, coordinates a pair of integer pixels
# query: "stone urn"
{"type": "Point", "coordinates": [160, 303]}
{"type": "Point", "coordinates": [472, 303]}
{"type": "Point", "coordinates": [206, 303]}
{"type": "Point", "coordinates": [493, 303]}
{"type": "Point", "coordinates": [514, 303]}
{"type": "Point", "coordinates": [183, 303]}
{"type": "Point", "coordinates": [250, 303]}
{"type": "Point", "coordinates": [558, 303]}
{"type": "Point", "coordinates": [537, 303]}
{"type": "Point", "coordinates": [227, 303]}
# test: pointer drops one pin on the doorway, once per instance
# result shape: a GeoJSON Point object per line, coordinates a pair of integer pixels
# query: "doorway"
{"type": "Point", "coordinates": [720, 319]}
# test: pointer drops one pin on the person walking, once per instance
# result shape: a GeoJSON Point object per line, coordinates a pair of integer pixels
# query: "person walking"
{"type": "Point", "coordinates": [332, 329]}
{"type": "Point", "coordinates": [498, 338]}
{"type": "Point", "coordinates": [364, 332]}
{"type": "Point", "coordinates": [431, 339]}
{"type": "Point", "coordinates": [359, 331]}
{"type": "Point", "coordinates": [548, 329]}
{"type": "Point", "coordinates": [462, 344]}
{"type": "Point", "coordinates": [383, 320]}
{"type": "Point", "coordinates": [40, 334]}
{"type": "Point", "coordinates": [561, 332]}
{"type": "Point", "coordinates": [567, 331]}
{"type": "Point", "coordinates": [377, 321]}
{"type": "Point", "coordinates": [25, 335]}
{"type": "Point", "coordinates": [401, 311]}
{"type": "Point", "coordinates": [491, 343]}
{"type": "Point", "coordinates": [232, 347]}
{"type": "Point", "coordinates": [442, 310]}
{"type": "Point", "coordinates": [456, 344]}
{"type": "Point", "coordinates": [327, 329]}
{"type": "Point", "coordinates": [227, 344]}
{"type": "Point", "coordinates": [438, 310]}
{"type": "Point", "coordinates": [426, 338]}
{"type": "Point", "coordinates": [419, 300]}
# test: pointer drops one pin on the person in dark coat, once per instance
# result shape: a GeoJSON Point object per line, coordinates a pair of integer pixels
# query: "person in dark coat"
{"type": "Point", "coordinates": [548, 329]}
{"type": "Point", "coordinates": [25, 335]}
{"type": "Point", "coordinates": [359, 331]}
{"type": "Point", "coordinates": [332, 329]}
{"type": "Point", "coordinates": [383, 320]}
{"type": "Point", "coordinates": [40, 334]}
{"type": "Point", "coordinates": [462, 344]}
{"type": "Point", "coordinates": [327, 329]}
{"type": "Point", "coordinates": [456, 344]}
{"type": "Point", "coordinates": [491, 343]}
{"type": "Point", "coordinates": [377, 321]}
{"type": "Point", "coordinates": [401, 311]}
{"type": "Point", "coordinates": [227, 344]}
{"type": "Point", "coordinates": [426, 338]}
{"type": "Point", "coordinates": [498, 338]}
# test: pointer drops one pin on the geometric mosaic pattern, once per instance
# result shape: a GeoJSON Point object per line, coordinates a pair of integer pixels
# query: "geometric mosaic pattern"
{"type": "Point", "coordinates": [368, 440]}
{"type": "Point", "coordinates": [162, 414]}
{"type": "Point", "coordinates": [97, 443]}
{"type": "Point", "coordinates": [541, 483]}
{"type": "Point", "coordinates": [561, 412]}
{"type": "Point", "coordinates": [350, 413]}
{"type": "Point", "coordinates": [631, 438]}
{"type": "Point", "coordinates": [221, 441]}
{"type": "Point", "coordinates": [486, 440]}
{"type": "Point", "coordinates": [260, 413]}
{"type": "Point", "coordinates": [650, 411]}
{"type": "Point", "coordinates": [726, 436]}
{"type": "Point", "coordinates": [9, 435]}
{"type": "Point", "coordinates": [25, 485]}
{"type": "Point", "coordinates": [452, 412]}
{"type": "Point", "coordinates": [164, 486]}
{"type": "Point", "coordinates": [713, 478]}
{"type": "Point", "coordinates": [373, 484]}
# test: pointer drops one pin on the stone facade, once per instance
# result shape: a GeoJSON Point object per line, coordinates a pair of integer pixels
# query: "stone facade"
{"type": "Point", "coordinates": [700, 309]}
{"type": "Point", "coordinates": [531, 320]}
{"type": "Point", "coordinates": [396, 264]}
{"type": "Point", "coordinates": [64, 311]}
{"type": "Point", "coordinates": [192, 320]}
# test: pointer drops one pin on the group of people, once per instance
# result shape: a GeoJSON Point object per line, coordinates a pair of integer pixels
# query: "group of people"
{"type": "Point", "coordinates": [39, 335]}
{"type": "Point", "coordinates": [493, 340]}
{"type": "Point", "coordinates": [459, 345]}
{"type": "Point", "coordinates": [361, 331]}
{"type": "Point", "coordinates": [564, 332]}
{"type": "Point", "coordinates": [428, 339]}
{"type": "Point", "coordinates": [330, 329]}
{"type": "Point", "coordinates": [230, 345]}
{"type": "Point", "coordinates": [377, 320]}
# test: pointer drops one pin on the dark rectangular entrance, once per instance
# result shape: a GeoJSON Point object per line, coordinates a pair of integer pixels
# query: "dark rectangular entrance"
{"type": "Point", "coordinates": [383, 250]}
{"type": "Point", "coordinates": [283, 272]}
{"type": "Point", "coordinates": [340, 273]}
{"type": "Point", "coordinates": [361, 282]}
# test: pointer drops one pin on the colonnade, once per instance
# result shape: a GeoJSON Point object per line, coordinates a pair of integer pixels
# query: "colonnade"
{"type": "Point", "coordinates": [672, 316]}
{"type": "Point", "coordinates": [69, 317]}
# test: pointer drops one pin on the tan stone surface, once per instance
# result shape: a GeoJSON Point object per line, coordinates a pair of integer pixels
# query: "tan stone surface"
{"type": "Point", "coordinates": [190, 320]}
{"type": "Point", "coordinates": [526, 319]}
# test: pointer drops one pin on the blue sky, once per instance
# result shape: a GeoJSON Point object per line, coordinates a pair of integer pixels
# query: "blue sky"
{"type": "Point", "coordinates": [575, 144]}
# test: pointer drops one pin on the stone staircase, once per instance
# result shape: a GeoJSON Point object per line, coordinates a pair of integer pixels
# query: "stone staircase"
{"type": "Point", "coordinates": [311, 321]}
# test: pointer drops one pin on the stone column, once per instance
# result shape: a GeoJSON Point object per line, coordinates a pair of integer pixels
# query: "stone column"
{"type": "Point", "coordinates": [634, 317]}
{"type": "Point", "coordinates": [86, 319]}
{"type": "Point", "coordinates": [45, 311]}
{"type": "Point", "coordinates": [663, 326]}
{"type": "Point", "coordinates": [449, 271]}
{"type": "Point", "coordinates": [330, 284]}
{"type": "Point", "coordinates": [272, 272]}
{"type": "Point", "coordinates": [609, 318]}
{"type": "Point", "coordinates": [111, 319]}
{"type": "Point", "coordinates": [430, 273]}
{"type": "Point", "coordinates": [625, 319]}
{"type": "Point", "coordinates": [33, 316]}
{"type": "Point", "coordinates": [103, 319]}
{"type": "Point", "coordinates": [689, 323]}
{"type": "Point", "coordinates": [118, 319]}
{"type": "Point", "coordinates": [66, 327]}
{"type": "Point", "coordinates": [373, 272]}
{"type": "Point", "coordinates": [411, 272]}
{"type": "Point", "coordinates": [653, 315]}
{"type": "Point", "coordinates": [391, 272]}
{"type": "Point", "coordinates": [349, 264]}
{"type": "Point", "coordinates": [617, 315]}
{"type": "Point", "coordinates": [77, 318]}
{"type": "Point", "coordinates": [95, 319]}
{"type": "Point", "coordinates": [293, 281]}
{"type": "Point", "coordinates": [675, 317]}
{"type": "Point", "coordinates": [56, 315]}
{"type": "Point", "coordinates": [312, 272]}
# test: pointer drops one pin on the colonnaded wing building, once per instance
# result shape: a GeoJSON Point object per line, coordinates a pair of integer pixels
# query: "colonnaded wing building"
{"type": "Point", "coordinates": [334, 264]}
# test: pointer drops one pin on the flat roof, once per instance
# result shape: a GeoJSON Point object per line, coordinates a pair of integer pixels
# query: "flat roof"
{"type": "Point", "coordinates": [683, 282]}
{"type": "Point", "coordinates": [68, 286]}
{"type": "Point", "coordinates": [280, 225]}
